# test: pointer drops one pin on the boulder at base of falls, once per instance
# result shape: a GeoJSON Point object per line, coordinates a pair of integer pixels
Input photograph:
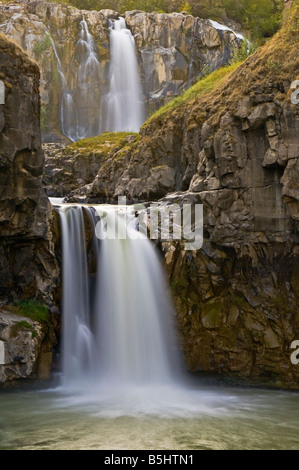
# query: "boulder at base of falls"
{"type": "Point", "coordinates": [25, 348]}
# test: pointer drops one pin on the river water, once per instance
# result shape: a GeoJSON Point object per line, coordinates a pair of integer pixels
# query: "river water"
{"type": "Point", "coordinates": [202, 417]}
{"type": "Point", "coordinates": [123, 384]}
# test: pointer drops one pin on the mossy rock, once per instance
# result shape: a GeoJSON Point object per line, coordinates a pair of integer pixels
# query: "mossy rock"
{"type": "Point", "coordinates": [22, 325]}
{"type": "Point", "coordinates": [106, 143]}
{"type": "Point", "coordinates": [213, 314]}
{"type": "Point", "coordinates": [33, 310]}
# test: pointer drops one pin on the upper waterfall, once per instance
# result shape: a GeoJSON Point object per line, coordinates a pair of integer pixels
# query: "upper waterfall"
{"type": "Point", "coordinates": [172, 51]}
{"type": "Point", "coordinates": [86, 109]}
{"type": "Point", "coordinates": [80, 90]}
{"type": "Point", "coordinates": [88, 85]}
{"type": "Point", "coordinates": [123, 107]}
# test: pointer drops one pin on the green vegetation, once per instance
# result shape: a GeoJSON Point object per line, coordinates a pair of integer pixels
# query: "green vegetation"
{"type": "Point", "coordinates": [21, 325]}
{"type": "Point", "coordinates": [291, 24]}
{"type": "Point", "coordinates": [206, 70]}
{"type": "Point", "coordinates": [102, 143]}
{"type": "Point", "coordinates": [204, 85]}
{"type": "Point", "coordinates": [215, 308]}
{"type": "Point", "coordinates": [245, 50]}
{"type": "Point", "coordinates": [278, 60]}
{"type": "Point", "coordinates": [281, 303]}
{"type": "Point", "coordinates": [42, 46]}
{"type": "Point", "coordinates": [239, 301]}
{"type": "Point", "coordinates": [178, 286]}
{"type": "Point", "coordinates": [261, 19]}
{"type": "Point", "coordinates": [185, 6]}
{"type": "Point", "coordinates": [33, 310]}
{"type": "Point", "coordinates": [44, 117]}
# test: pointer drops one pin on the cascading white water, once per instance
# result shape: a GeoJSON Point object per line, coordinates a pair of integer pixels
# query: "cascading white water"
{"type": "Point", "coordinates": [134, 330]}
{"type": "Point", "coordinates": [87, 92]}
{"type": "Point", "coordinates": [85, 109]}
{"type": "Point", "coordinates": [125, 335]}
{"type": "Point", "coordinates": [77, 343]}
{"type": "Point", "coordinates": [122, 108]}
{"type": "Point", "coordinates": [80, 95]}
{"type": "Point", "coordinates": [66, 105]}
{"type": "Point", "coordinates": [119, 347]}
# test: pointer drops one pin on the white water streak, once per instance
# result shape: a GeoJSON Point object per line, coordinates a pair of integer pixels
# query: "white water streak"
{"type": "Point", "coordinates": [123, 106]}
{"type": "Point", "coordinates": [84, 109]}
{"type": "Point", "coordinates": [125, 337]}
{"type": "Point", "coordinates": [77, 342]}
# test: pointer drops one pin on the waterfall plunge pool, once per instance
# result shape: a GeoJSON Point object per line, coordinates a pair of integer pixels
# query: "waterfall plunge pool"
{"type": "Point", "coordinates": [122, 385]}
{"type": "Point", "coordinates": [195, 418]}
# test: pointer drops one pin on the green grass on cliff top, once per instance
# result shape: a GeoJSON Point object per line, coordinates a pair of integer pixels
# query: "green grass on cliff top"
{"type": "Point", "coordinates": [277, 60]}
{"type": "Point", "coordinates": [110, 141]}
{"type": "Point", "coordinates": [104, 142]}
{"type": "Point", "coordinates": [204, 85]}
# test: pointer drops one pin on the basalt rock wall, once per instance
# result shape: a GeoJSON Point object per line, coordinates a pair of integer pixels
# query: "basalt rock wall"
{"type": "Point", "coordinates": [28, 268]}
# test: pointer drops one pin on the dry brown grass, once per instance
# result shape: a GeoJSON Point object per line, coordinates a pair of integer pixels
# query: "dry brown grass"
{"type": "Point", "coordinates": [14, 49]}
{"type": "Point", "coordinates": [271, 67]}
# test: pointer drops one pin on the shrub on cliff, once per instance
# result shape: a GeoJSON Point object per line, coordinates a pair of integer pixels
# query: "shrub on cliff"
{"type": "Point", "coordinates": [261, 19]}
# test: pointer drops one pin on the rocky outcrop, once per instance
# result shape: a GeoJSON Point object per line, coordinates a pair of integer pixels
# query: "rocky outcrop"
{"type": "Point", "coordinates": [28, 268]}
{"type": "Point", "coordinates": [172, 49]}
{"type": "Point", "coordinates": [237, 298]}
{"type": "Point", "coordinates": [25, 348]}
{"type": "Point", "coordinates": [74, 169]}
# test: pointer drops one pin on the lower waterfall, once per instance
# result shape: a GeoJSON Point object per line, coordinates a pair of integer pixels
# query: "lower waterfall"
{"type": "Point", "coordinates": [78, 346]}
{"type": "Point", "coordinates": [123, 386]}
{"type": "Point", "coordinates": [120, 349]}
{"type": "Point", "coordinates": [118, 320]}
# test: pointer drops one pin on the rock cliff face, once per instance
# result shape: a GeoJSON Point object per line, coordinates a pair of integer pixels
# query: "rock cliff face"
{"type": "Point", "coordinates": [25, 349]}
{"type": "Point", "coordinates": [27, 264]}
{"type": "Point", "coordinates": [172, 49]}
{"type": "Point", "coordinates": [234, 149]}
{"type": "Point", "coordinates": [72, 171]}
